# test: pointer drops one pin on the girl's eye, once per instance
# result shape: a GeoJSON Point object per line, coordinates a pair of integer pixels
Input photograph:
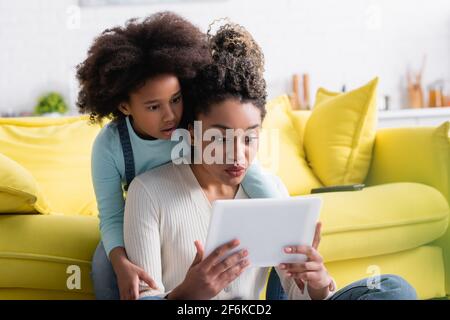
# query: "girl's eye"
{"type": "Point", "coordinates": [153, 108]}
{"type": "Point", "coordinates": [177, 99]}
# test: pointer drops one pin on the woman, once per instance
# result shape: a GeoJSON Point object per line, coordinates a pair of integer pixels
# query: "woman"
{"type": "Point", "coordinates": [168, 209]}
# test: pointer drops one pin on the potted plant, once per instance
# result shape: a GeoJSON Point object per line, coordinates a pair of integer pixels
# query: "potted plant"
{"type": "Point", "coordinates": [51, 104]}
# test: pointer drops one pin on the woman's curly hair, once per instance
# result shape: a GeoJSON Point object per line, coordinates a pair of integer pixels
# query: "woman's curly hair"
{"type": "Point", "coordinates": [121, 59]}
{"type": "Point", "coordinates": [236, 71]}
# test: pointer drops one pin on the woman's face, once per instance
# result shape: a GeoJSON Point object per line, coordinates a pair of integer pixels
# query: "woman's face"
{"type": "Point", "coordinates": [234, 149]}
{"type": "Point", "coordinates": [156, 107]}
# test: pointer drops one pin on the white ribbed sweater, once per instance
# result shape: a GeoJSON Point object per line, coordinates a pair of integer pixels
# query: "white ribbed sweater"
{"type": "Point", "coordinates": [165, 212]}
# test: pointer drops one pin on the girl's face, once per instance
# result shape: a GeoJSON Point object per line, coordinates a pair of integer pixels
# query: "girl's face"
{"type": "Point", "coordinates": [245, 121]}
{"type": "Point", "coordinates": [156, 107]}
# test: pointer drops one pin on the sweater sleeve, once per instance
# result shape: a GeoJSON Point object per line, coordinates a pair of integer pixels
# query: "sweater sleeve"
{"type": "Point", "coordinates": [259, 184]}
{"type": "Point", "coordinates": [108, 192]}
{"type": "Point", "coordinates": [142, 237]}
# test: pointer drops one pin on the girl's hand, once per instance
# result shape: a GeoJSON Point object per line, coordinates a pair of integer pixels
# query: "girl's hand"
{"type": "Point", "coordinates": [312, 271]}
{"type": "Point", "coordinates": [129, 275]}
{"type": "Point", "coordinates": [206, 278]}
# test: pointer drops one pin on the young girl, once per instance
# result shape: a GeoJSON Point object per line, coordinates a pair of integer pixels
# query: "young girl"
{"type": "Point", "coordinates": [135, 75]}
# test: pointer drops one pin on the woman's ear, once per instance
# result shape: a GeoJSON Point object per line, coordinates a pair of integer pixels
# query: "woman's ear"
{"type": "Point", "coordinates": [125, 108]}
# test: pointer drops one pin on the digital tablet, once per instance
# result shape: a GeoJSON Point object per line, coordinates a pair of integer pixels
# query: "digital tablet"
{"type": "Point", "coordinates": [264, 227]}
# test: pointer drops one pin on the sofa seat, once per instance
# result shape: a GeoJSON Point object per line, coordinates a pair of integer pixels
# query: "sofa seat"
{"type": "Point", "coordinates": [36, 251]}
{"type": "Point", "coordinates": [380, 220]}
{"type": "Point", "coordinates": [425, 261]}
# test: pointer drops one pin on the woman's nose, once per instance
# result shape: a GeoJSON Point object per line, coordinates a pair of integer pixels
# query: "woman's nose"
{"type": "Point", "coordinates": [236, 155]}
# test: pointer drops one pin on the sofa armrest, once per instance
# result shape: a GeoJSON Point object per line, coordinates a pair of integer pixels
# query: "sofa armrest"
{"type": "Point", "coordinates": [417, 154]}
{"type": "Point", "coordinates": [421, 155]}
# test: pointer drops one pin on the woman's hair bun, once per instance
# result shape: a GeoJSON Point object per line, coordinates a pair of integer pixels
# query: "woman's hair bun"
{"type": "Point", "coordinates": [234, 47]}
{"type": "Point", "coordinates": [236, 71]}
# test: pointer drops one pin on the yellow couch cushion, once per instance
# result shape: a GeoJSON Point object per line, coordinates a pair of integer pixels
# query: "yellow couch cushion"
{"type": "Point", "coordinates": [36, 250]}
{"type": "Point", "coordinates": [19, 191]}
{"type": "Point", "coordinates": [281, 148]}
{"type": "Point", "coordinates": [299, 119]}
{"type": "Point", "coordinates": [340, 133]}
{"type": "Point", "coordinates": [381, 219]}
{"type": "Point", "coordinates": [57, 152]}
{"type": "Point", "coordinates": [421, 154]}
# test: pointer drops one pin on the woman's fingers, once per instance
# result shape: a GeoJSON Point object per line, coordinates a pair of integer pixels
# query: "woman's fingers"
{"type": "Point", "coordinates": [219, 252]}
{"type": "Point", "coordinates": [229, 262]}
{"type": "Point", "coordinates": [301, 267]}
{"type": "Point", "coordinates": [301, 286]}
{"type": "Point", "coordinates": [232, 273]}
{"type": "Point", "coordinates": [317, 235]}
{"type": "Point", "coordinates": [306, 276]}
{"type": "Point", "coordinates": [308, 271]}
{"type": "Point", "coordinates": [311, 253]}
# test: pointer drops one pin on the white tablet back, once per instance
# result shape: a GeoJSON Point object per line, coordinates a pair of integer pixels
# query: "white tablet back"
{"type": "Point", "coordinates": [264, 227]}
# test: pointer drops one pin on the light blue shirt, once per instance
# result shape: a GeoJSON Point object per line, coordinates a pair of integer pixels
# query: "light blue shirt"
{"type": "Point", "coordinates": [108, 176]}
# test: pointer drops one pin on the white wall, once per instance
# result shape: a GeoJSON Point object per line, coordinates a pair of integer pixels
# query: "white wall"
{"type": "Point", "coordinates": [348, 41]}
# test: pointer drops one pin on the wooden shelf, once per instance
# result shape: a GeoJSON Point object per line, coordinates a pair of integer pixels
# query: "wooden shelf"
{"type": "Point", "coordinates": [424, 112]}
{"type": "Point", "coordinates": [413, 117]}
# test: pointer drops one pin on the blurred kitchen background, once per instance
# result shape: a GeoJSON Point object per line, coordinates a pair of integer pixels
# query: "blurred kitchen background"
{"type": "Point", "coordinates": [339, 45]}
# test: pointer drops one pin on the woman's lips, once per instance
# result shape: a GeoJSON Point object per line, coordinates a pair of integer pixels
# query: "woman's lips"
{"type": "Point", "coordinates": [235, 172]}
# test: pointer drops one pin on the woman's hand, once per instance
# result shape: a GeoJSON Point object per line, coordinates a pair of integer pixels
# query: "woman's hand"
{"type": "Point", "coordinates": [128, 275]}
{"type": "Point", "coordinates": [206, 278]}
{"type": "Point", "coordinates": [312, 271]}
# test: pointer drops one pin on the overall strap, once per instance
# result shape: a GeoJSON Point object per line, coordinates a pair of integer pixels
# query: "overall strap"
{"type": "Point", "coordinates": [127, 151]}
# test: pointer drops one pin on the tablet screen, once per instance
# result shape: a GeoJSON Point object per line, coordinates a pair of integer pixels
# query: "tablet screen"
{"type": "Point", "coordinates": [264, 227]}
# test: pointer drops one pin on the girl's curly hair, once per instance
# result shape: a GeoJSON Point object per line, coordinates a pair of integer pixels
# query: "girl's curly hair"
{"type": "Point", "coordinates": [236, 71]}
{"type": "Point", "coordinates": [121, 59]}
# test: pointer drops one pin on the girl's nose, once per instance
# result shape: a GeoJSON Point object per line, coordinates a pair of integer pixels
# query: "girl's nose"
{"type": "Point", "coordinates": [168, 115]}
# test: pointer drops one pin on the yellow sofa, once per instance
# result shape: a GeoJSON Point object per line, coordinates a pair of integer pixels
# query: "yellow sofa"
{"type": "Point", "coordinates": [398, 224]}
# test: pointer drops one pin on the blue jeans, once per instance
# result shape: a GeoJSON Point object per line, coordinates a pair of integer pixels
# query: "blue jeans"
{"type": "Point", "coordinates": [390, 287]}
{"type": "Point", "coordinates": [274, 289]}
{"type": "Point", "coordinates": [151, 298]}
{"type": "Point", "coordinates": [103, 276]}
